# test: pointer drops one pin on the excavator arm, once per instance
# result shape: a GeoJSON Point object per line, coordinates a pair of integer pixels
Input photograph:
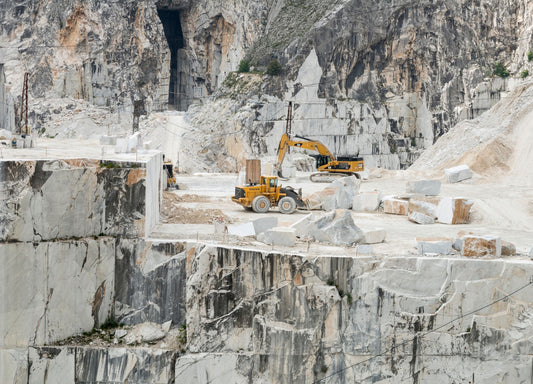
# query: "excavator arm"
{"type": "Point", "coordinates": [305, 143]}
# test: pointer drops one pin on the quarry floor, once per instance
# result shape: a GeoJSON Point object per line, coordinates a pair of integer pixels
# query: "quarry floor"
{"type": "Point", "coordinates": [499, 209]}
{"type": "Point", "coordinates": [502, 206]}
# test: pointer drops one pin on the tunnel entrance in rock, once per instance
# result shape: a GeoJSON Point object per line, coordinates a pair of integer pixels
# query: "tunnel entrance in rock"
{"type": "Point", "coordinates": [177, 97]}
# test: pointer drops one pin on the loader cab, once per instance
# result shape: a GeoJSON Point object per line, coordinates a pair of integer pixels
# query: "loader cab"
{"type": "Point", "coordinates": [271, 183]}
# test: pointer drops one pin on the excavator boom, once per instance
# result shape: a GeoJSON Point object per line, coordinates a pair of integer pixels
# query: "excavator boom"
{"type": "Point", "coordinates": [327, 164]}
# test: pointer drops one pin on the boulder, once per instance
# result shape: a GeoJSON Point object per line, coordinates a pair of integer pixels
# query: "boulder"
{"type": "Point", "coordinates": [395, 206]}
{"type": "Point", "coordinates": [373, 236]}
{"type": "Point", "coordinates": [281, 236]}
{"type": "Point", "coordinates": [459, 173]}
{"type": "Point", "coordinates": [477, 246]}
{"type": "Point", "coordinates": [334, 227]}
{"type": "Point", "coordinates": [508, 249]}
{"type": "Point", "coordinates": [420, 218]}
{"type": "Point", "coordinates": [339, 195]}
{"type": "Point", "coordinates": [350, 184]}
{"type": "Point", "coordinates": [454, 210]}
{"type": "Point", "coordinates": [440, 246]}
{"type": "Point", "coordinates": [425, 187]}
{"type": "Point", "coordinates": [366, 201]}
{"type": "Point", "coordinates": [145, 333]}
{"type": "Point", "coordinates": [264, 223]}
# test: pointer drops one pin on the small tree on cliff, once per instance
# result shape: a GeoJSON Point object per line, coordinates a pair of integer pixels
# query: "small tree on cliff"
{"type": "Point", "coordinates": [500, 70]}
{"type": "Point", "coordinates": [244, 66]}
{"type": "Point", "coordinates": [274, 68]}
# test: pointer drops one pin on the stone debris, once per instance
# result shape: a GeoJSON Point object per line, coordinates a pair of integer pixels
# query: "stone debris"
{"type": "Point", "coordinates": [420, 218]}
{"type": "Point", "coordinates": [339, 195]}
{"type": "Point", "coordinates": [478, 246]}
{"type": "Point", "coordinates": [120, 333]}
{"type": "Point", "coordinates": [454, 210]}
{"type": "Point", "coordinates": [264, 223]}
{"type": "Point", "coordinates": [281, 236]}
{"type": "Point", "coordinates": [459, 173]}
{"type": "Point", "coordinates": [440, 246]}
{"type": "Point", "coordinates": [395, 205]}
{"type": "Point", "coordinates": [373, 236]}
{"type": "Point", "coordinates": [508, 249]}
{"type": "Point", "coordinates": [425, 187]}
{"type": "Point", "coordinates": [145, 333]}
{"type": "Point", "coordinates": [241, 229]}
{"type": "Point", "coordinates": [366, 201]}
{"type": "Point", "coordinates": [334, 227]}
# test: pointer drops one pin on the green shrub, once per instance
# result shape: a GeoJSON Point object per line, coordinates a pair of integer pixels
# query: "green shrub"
{"type": "Point", "coordinates": [500, 70]}
{"type": "Point", "coordinates": [530, 55]}
{"type": "Point", "coordinates": [274, 68]}
{"type": "Point", "coordinates": [524, 74]}
{"type": "Point", "coordinates": [244, 66]}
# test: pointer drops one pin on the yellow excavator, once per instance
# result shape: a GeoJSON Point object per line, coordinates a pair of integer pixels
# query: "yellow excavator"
{"type": "Point", "coordinates": [329, 168]}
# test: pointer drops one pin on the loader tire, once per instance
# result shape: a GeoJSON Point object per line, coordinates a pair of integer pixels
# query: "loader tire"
{"type": "Point", "coordinates": [260, 204]}
{"type": "Point", "coordinates": [287, 205]}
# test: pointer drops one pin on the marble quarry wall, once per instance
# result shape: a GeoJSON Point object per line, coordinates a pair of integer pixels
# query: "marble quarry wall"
{"type": "Point", "coordinates": [60, 221]}
{"type": "Point", "coordinates": [275, 318]}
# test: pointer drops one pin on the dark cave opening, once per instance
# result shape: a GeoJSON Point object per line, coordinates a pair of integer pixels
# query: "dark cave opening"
{"type": "Point", "coordinates": [174, 34]}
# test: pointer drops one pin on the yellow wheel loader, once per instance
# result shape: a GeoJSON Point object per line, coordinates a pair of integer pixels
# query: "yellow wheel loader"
{"type": "Point", "coordinates": [261, 197]}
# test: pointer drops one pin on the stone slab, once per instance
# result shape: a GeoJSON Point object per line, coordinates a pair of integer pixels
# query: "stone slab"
{"type": "Point", "coordinates": [374, 236]}
{"type": "Point", "coordinates": [459, 173]}
{"type": "Point", "coordinates": [281, 236]}
{"type": "Point", "coordinates": [395, 206]}
{"type": "Point", "coordinates": [420, 218]}
{"type": "Point", "coordinates": [366, 201]}
{"type": "Point", "coordinates": [425, 187]}
{"type": "Point", "coordinates": [264, 223]}
{"type": "Point", "coordinates": [508, 249]}
{"type": "Point", "coordinates": [479, 246]}
{"type": "Point", "coordinates": [425, 205]}
{"type": "Point", "coordinates": [454, 210]}
{"type": "Point", "coordinates": [241, 229]}
{"type": "Point", "coordinates": [440, 246]}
